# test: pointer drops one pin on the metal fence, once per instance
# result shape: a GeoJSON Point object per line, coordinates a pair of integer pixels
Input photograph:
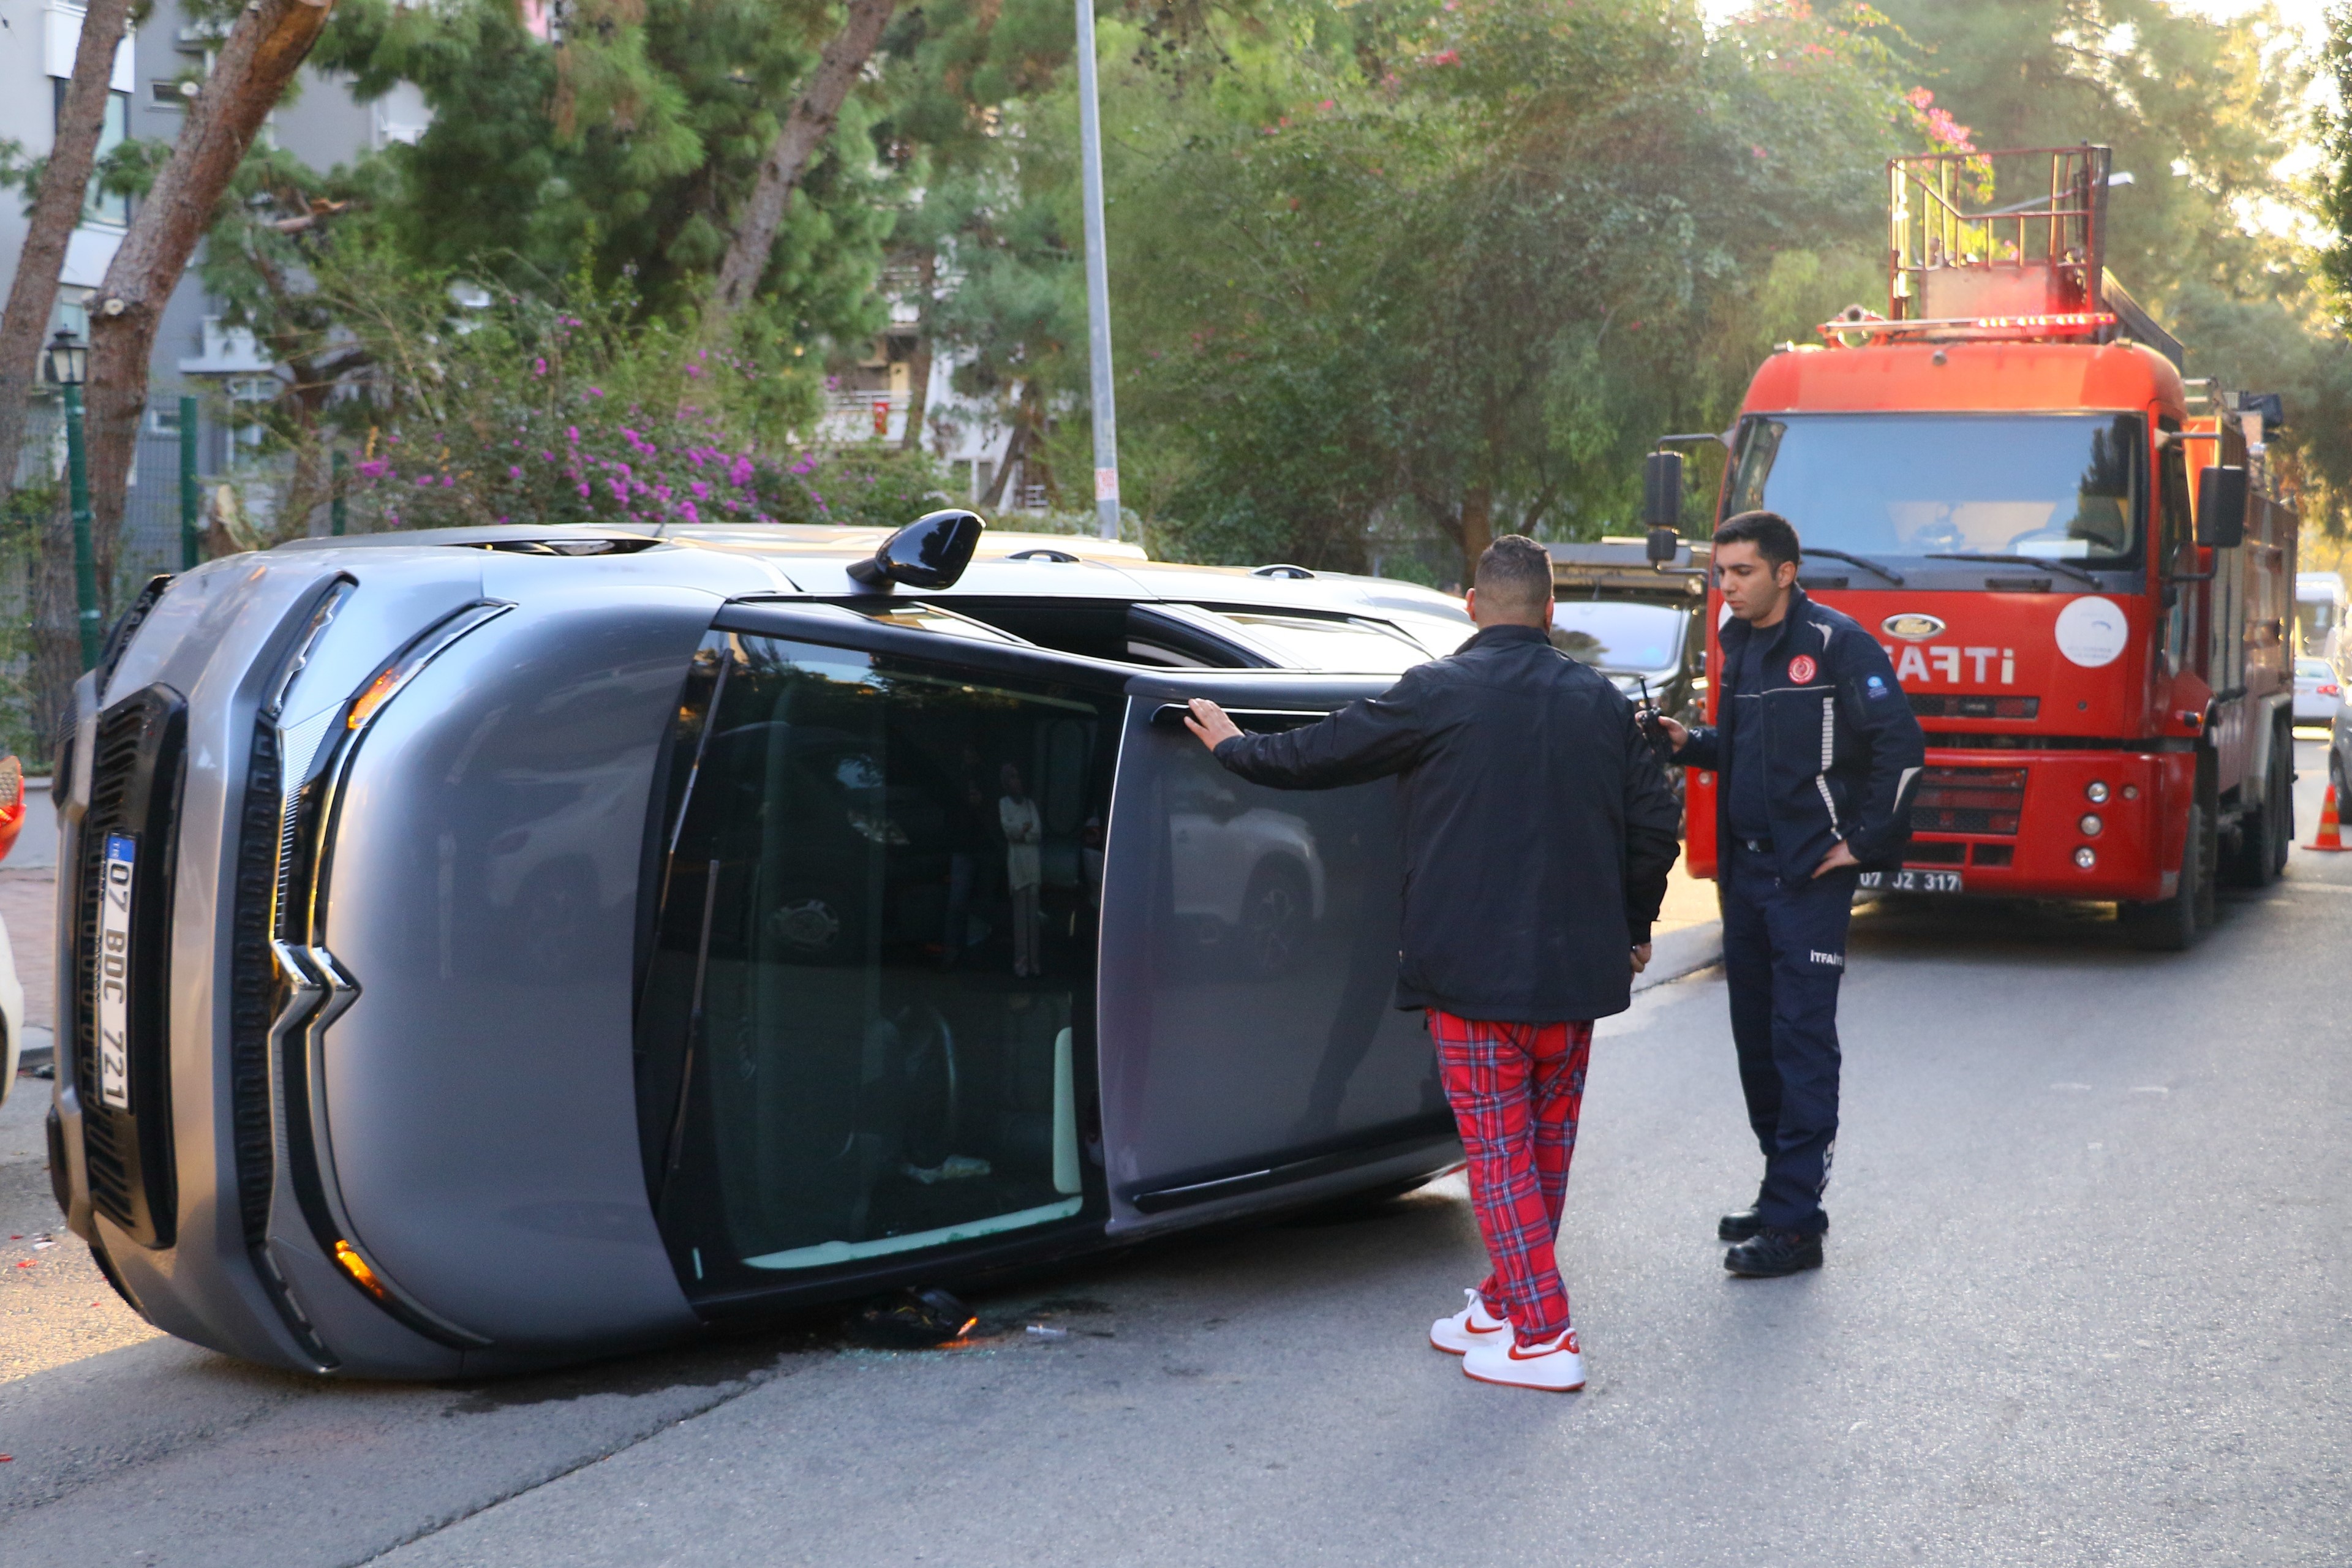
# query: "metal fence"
{"type": "Point", "coordinates": [150, 542]}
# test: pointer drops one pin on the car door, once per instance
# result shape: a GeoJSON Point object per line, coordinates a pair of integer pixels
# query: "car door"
{"type": "Point", "coordinates": [1238, 1061]}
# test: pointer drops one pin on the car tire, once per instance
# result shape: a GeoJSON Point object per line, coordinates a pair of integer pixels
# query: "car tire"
{"type": "Point", "coordinates": [2173, 924]}
{"type": "Point", "coordinates": [1275, 915]}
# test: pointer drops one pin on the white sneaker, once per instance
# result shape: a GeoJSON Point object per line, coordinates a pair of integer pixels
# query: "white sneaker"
{"type": "Point", "coordinates": [1470, 1327]}
{"type": "Point", "coordinates": [1556, 1365]}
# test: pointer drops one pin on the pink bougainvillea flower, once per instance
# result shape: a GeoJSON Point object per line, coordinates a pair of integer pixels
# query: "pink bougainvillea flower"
{"type": "Point", "coordinates": [1446, 58]}
{"type": "Point", "coordinates": [583, 491]}
{"type": "Point", "coordinates": [571, 433]}
{"type": "Point", "coordinates": [374, 469]}
{"type": "Point", "coordinates": [514, 473]}
{"type": "Point", "coordinates": [686, 509]}
{"type": "Point", "coordinates": [539, 367]}
{"type": "Point", "coordinates": [701, 491]}
{"type": "Point", "coordinates": [596, 392]}
{"type": "Point", "coordinates": [740, 474]}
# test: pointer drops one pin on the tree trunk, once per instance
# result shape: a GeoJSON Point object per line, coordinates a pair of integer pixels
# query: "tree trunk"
{"type": "Point", "coordinates": [1016, 446]}
{"type": "Point", "coordinates": [268, 44]}
{"type": "Point", "coordinates": [64, 181]}
{"type": "Point", "coordinates": [1478, 528]}
{"type": "Point", "coordinates": [804, 129]}
{"type": "Point", "coordinates": [919, 367]}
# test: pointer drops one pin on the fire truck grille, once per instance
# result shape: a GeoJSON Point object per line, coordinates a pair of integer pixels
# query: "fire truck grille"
{"type": "Point", "coordinates": [1932, 705]}
{"type": "Point", "coordinates": [1969, 800]}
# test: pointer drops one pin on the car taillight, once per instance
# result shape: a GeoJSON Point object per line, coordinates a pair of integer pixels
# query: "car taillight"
{"type": "Point", "coordinates": [2328, 690]}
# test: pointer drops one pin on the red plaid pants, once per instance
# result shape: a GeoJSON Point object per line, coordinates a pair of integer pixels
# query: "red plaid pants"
{"type": "Point", "coordinates": [1516, 1090]}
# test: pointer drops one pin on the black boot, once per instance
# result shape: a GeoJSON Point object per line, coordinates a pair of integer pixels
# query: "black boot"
{"type": "Point", "coordinates": [1773, 1252]}
{"type": "Point", "coordinates": [1738, 1226]}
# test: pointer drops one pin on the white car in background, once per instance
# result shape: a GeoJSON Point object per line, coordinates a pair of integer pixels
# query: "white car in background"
{"type": "Point", "coordinates": [2318, 691]}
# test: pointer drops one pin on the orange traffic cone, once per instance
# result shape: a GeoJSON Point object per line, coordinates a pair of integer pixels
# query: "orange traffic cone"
{"type": "Point", "coordinates": [2331, 831]}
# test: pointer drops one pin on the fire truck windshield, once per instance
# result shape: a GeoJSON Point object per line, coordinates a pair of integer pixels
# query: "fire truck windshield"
{"type": "Point", "coordinates": [2057, 487]}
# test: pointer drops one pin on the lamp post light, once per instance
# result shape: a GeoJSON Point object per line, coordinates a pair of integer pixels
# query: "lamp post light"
{"type": "Point", "coordinates": [68, 367]}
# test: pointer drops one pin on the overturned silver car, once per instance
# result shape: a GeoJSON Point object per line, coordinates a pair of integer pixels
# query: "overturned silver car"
{"type": "Point", "coordinates": [488, 948]}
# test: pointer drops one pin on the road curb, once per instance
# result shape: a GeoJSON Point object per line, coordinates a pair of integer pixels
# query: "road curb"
{"type": "Point", "coordinates": [1676, 953]}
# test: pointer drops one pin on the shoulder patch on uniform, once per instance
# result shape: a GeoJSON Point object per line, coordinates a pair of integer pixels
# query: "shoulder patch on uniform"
{"type": "Point", "coordinates": [1875, 687]}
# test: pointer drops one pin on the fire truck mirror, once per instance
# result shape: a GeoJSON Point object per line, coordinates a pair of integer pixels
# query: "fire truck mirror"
{"type": "Point", "coordinates": [1662, 496]}
{"type": "Point", "coordinates": [1663, 546]}
{"type": "Point", "coordinates": [2221, 508]}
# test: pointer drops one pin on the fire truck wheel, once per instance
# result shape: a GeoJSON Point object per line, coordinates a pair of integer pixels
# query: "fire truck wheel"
{"type": "Point", "coordinates": [2258, 854]}
{"type": "Point", "coordinates": [2172, 925]}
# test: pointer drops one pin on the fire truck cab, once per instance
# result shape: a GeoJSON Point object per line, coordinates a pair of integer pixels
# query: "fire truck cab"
{"type": "Point", "coordinates": [2077, 561]}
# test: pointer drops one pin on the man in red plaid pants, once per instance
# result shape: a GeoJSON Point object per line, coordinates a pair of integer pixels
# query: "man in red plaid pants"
{"type": "Point", "coordinates": [1537, 828]}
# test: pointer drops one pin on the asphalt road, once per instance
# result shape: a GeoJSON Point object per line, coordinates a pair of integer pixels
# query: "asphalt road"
{"type": "Point", "coordinates": [2085, 1303]}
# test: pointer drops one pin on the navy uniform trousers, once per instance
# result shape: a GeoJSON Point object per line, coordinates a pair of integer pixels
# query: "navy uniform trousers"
{"type": "Point", "coordinates": [1784, 955]}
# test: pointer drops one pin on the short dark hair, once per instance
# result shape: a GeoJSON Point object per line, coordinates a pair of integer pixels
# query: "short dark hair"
{"type": "Point", "coordinates": [1515, 575]}
{"type": "Point", "coordinates": [1768, 532]}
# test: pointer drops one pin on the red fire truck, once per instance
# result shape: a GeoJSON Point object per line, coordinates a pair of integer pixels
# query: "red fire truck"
{"type": "Point", "coordinates": [2076, 560]}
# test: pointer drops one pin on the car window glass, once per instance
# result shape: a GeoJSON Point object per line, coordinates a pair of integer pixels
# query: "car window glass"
{"type": "Point", "coordinates": [921, 617]}
{"type": "Point", "coordinates": [864, 837]}
{"type": "Point", "coordinates": [1615, 635]}
{"type": "Point", "coordinates": [1353, 644]}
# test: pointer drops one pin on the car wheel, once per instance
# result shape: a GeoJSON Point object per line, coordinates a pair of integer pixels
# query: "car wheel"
{"type": "Point", "coordinates": [1275, 915]}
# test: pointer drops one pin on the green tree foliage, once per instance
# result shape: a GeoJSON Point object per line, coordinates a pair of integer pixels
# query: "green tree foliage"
{"type": "Point", "coordinates": [1455, 265]}
{"type": "Point", "coordinates": [2201, 113]}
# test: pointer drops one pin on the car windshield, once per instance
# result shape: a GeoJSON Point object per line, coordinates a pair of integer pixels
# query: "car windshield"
{"type": "Point", "coordinates": [1615, 635]}
{"type": "Point", "coordinates": [2312, 668]}
{"type": "Point", "coordinates": [2061, 487]}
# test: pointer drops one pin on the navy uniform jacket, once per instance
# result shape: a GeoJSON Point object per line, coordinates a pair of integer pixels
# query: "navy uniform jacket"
{"type": "Point", "coordinates": [1842, 752]}
{"type": "Point", "coordinates": [1536, 826]}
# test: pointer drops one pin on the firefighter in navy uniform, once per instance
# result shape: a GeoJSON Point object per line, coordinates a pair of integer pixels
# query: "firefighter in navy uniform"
{"type": "Point", "coordinates": [1815, 753]}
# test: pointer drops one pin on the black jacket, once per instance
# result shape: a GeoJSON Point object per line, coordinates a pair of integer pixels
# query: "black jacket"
{"type": "Point", "coordinates": [1842, 752]}
{"type": "Point", "coordinates": [1537, 828]}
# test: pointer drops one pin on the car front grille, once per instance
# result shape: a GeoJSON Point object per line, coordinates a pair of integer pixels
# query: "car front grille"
{"type": "Point", "coordinates": [1969, 800]}
{"type": "Point", "coordinates": [135, 776]}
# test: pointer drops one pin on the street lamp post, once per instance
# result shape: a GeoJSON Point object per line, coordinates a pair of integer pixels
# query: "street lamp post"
{"type": "Point", "coordinates": [1106, 417]}
{"type": "Point", "coordinates": [68, 366]}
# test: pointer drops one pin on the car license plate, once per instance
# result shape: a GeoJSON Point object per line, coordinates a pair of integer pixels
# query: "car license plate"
{"type": "Point", "coordinates": [1910, 882]}
{"type": "Point", "coordinates": [113, 997]}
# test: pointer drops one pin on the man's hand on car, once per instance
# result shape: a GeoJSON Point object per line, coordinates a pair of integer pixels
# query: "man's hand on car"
{"type": "Point", "coordinates": [1838, 857]}
{"type": "Point", "coordinates": [1208, 722]}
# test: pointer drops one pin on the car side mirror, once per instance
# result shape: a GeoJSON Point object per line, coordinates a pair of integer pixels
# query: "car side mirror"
{"type": "Point", "coordinates": [2221, 508]}
{"type": "Point", "coordinates": [930, 552]}
{"type": "Point", "coordinates": [1661, 504]}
